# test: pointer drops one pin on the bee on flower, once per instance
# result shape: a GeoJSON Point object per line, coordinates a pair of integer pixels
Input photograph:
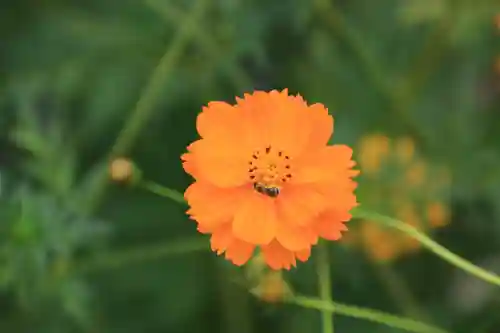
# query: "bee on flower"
{"type": "Point", "coordinates": [265, 178]}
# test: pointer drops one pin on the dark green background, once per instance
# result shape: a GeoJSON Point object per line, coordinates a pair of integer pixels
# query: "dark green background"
{"type": "Point", "coordinates": [71, 74]}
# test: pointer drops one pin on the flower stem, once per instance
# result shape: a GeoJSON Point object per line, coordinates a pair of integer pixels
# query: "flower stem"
{"type": "Point", "coordinates": [324, 305]}
{"type": "Point", "coordinates": [398, 289]}
{"type": "Point", "coordinates": [176, 16]}
{"type": "Point", "coordinates": [155, 87]}
{"type": "Point", "coordinates": [336, 24]}
{"type": "Point", "coordinates": [325, 287]}
{"type": "Point", "coordinates": [427, 242]}
{"type": "Point", "coordinates": [402, 323]}
{"type": "Point", "coordinates": [148, 98]}
{"type": "Point", "coordinates": [162, 191]}
{"type": "Point", "coordinates": [151, 252]}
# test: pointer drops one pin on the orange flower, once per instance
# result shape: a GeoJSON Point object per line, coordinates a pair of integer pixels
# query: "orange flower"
{"type": "Point", "coordinates": [265, 177]}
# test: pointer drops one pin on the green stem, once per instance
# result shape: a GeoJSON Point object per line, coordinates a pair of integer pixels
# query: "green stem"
{"type": "Point", "coordinates": [176, 16]}
{"type": "Point", "coordinates": [235, 301]}
{"type": "Point", "coordinates": [156, 85]}
{"type": "Point", "coordinates": [325, 287]}
{"type": "Point", "coordinates": [146, 103]}
{"type": "Point", "coordinates": [426, 63]}
{"type": "Point", "coordinates": [398, 289]}
{"type": "Point", "coordinates": [402, 323]}
{"type": "Point", "coordinates": [144, 253]}
{"type": "Point", "coordinates": [162, 191]}
{"type": "Point", "coordinates": [427, 242]}
{"type": "Point", "coordinates": [360, 213]}
{"type": "Point", "coordinates": [337, 24]}
{"type": "Point", "coordinates": [324, 275]}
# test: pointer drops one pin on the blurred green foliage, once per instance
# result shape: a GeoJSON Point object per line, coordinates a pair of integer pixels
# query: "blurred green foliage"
{"type": "Point", "coordinates": [74, 74]}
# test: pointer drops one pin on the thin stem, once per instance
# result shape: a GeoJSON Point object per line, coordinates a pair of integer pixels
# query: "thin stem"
{"type": "Point", "coordinates": [235, 302]}
{"type": "Point", "coordinates": [324, 275]}
{"type": "Point", "coordinates": [207, 42]}
{"type": "Point", "coordinates": [398, 100]}
{"type": "Point", "coordinates": [427, 242]}
{"type": "Point", "coordinates": [402, 323]}
{"type": "Point", "coordinates": [155, 87]}
{"type": "Point", "coordinates": [143, 253]}
{"type": "Point", "coordinates": [360, 213]}
{"type": "Point", "coordinates": [397, 287]}
{"type": "Point", "coordinates": [162, 191]}
{"type": "Point", "coordinates": [428, 60]}
{"type": "Point", "coordinates": [325, 287]}
{"type": "Point", "coordinates": [149, 96]}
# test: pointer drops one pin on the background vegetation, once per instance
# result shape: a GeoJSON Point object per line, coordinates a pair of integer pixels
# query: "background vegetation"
{"type": "Point", "coordinates": [83, 81]}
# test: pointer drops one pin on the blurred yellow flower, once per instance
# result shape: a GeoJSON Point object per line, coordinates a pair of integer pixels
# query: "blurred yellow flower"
{"type": "Point", "coordinates": [438, 214]}
{"type": "Point", "coordinates": [416, 174]}
{"type": "Point", "coordinates": [373, 149]}
{"type": "Point", "coordinates": [405, 150]}
{"type": "Point", "coordinates": [398, 182]}
{"type": "Point", "coordinates": [496, 65]}
{"type": "Point", "coordinates": [382, 246]}
{"type": "Point", "coordinates": [272, 287]}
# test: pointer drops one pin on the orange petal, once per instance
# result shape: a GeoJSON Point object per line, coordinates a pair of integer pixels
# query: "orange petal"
{"type": "Point", "coordinates": [221, 238]}
{"type": "Point", "coordinates": [321, 125]}
{"type": "Point", "coordinates": [277, 257]}
{"type": "Point", "coordinates": [255, 220]}
{"type": "Point", "coordinates": [295, 238]}
{"type": "Point", "coordinates": [330, 224]}
{"type": "Point", "coordinates": [340, 194]}
{"type": "Point", "coordinates": [281, 120]}
{"type": "Point", "coordinates": [239, 252]}
{"type": "Point", "coordinates": [299, 204]}
{"type": "Point", "coordinates": [303, 255]}
{"type": "Point", "coordinates": [211, 206]}
{"type": "Point", "coordinates": [221, 163]}
{"type": "Point", "coordinates": [219, 120]}
{"type": "Point", "coordinates": [206, 229]}
{"type": "Point", "coordinates": [188, 163]}
{"type": "Point", "coordinates": [332, 163]}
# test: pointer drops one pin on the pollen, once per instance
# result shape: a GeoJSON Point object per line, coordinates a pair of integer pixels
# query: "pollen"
{"type": "Point", "coordinates": [269, 167]}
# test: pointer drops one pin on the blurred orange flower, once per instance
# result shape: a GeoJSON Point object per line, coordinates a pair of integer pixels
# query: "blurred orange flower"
{"type": "Point", "coordinates": [398, 181]}
{"type": "Point", "coordinates": [272, 287]}
{"type": "Point", "coordinates": [265, 177]}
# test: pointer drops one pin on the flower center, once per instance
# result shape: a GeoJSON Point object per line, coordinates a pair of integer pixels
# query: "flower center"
{"type": "Point", "coordinates": [268, 170]}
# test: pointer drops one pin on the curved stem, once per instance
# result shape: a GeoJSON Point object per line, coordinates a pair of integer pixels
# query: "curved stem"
{"type": "Point", "coordinates": [398, 289]}
{"type": "Point", "coordinates": [155, 87]}
{"type": "Point", "coordinates": [402, 323]}
{"type": "Point", "coordinates": [175, 16]}
{"type": "Point", "coordinates": [162, 191]}
{"type": "Point", "coordinates": [427, 242]}
{"type": "Point", "coordinates": [143, 253]}
{"type": "Point", "coordinates": [325, 286]}
{"type": "Point", "coordinates": [326, 306]}
{"type": "Point", "coordinates": [336, 24]}
{"type": "Point", "coordinates": [145, 106]}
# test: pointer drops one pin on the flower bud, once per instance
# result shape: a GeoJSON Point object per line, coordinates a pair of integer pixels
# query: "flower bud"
{"type": "Point", "coordinates": [123, 170]}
